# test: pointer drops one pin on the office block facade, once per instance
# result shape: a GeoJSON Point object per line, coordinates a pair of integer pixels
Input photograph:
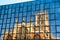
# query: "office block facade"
{"type": "Point", "coordinates": [29, 20]}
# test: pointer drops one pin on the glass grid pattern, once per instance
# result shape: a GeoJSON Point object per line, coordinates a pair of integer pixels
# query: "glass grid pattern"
{"type": "Point", "coordinates": [25, 13]}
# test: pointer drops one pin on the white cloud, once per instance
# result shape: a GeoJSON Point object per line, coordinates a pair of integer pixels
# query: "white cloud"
{"type": "Point", "coordinates": [5, 2]}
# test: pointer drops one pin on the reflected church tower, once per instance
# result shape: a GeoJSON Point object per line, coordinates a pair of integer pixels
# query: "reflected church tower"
{"type": "Point", "coordinates": [43, 23]}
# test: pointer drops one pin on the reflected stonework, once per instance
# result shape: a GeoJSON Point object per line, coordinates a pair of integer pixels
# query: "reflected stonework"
{"type": "Point", "coordinates": [39, 30]}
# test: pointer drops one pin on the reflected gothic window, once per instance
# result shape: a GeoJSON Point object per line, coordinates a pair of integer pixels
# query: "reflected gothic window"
{"type": "Point", "coordinates": [42, 28]}
{"type": "Point", "coordinates": [22, 31]}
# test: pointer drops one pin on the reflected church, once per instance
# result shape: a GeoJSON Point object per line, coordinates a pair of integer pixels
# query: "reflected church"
{"type": "Point", "coordinates": [38, 30]}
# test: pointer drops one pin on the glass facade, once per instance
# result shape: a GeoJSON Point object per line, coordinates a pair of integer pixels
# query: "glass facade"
{"type": "Point", "coordinates": [23, 14]}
